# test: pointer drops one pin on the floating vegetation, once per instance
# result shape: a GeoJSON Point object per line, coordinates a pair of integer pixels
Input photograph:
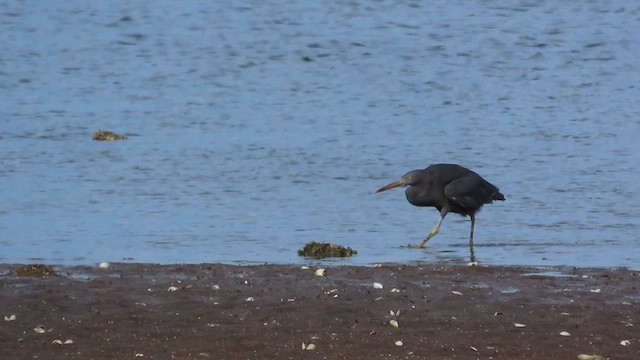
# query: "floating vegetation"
{"type": "Point", "coordinates": [323, 250]}
{"type": "Point", "coordinates": [35, 270]}
{"type": "Point", "coordinates": [104, 135]}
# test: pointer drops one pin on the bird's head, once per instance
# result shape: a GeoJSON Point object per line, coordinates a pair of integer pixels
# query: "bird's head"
{"type": "Point", "coordinates": [408, 179]}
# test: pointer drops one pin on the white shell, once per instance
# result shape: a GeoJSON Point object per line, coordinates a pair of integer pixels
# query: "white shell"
{"type": "Point", "coordinates": [39, 329]}
{"type": "Point", "coordinates": [399, 343]}
{"type": "Point", "coordinates": [456, 292]}
{"type": "Point", "coordinates": [250, 298]}
{"type": "Point", "coordinates": [393, 323]}
{"type": "Point", "coordinates": [309, 346]}
{"type": "Point", "coordinates": [377, 285]}
{"type": "Point", "coordinates": [172, 288]}
{"type": "Point", "coordinates": [564, 333]}
{"type": "Point", "coordinates": [57, 342]}
{"type": "Point", "coordinates": [104, 265]}
{"type": "Point", "coordinates": [625, 342]}
{"type": "Point", "coordinates": [321, 272]}
{"type": "Point", "coordinates": [518, 325]}
{"type": "Point", "coordinates": [10, 318]}
{"type": "Point", "coordinates": [595, 290]}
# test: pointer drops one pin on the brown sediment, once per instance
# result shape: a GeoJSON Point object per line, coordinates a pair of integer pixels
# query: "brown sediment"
{"type": "Point", "coordinates": [267, 312]}
{"type": "Point", "coordinates": [324, 250]}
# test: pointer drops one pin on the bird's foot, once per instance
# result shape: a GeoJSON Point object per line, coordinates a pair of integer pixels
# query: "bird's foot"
{"type": "Point", "coordinates": [415, 246]}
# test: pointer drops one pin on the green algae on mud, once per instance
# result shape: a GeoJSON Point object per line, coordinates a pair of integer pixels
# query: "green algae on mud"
{"type": "Point", "coordinates": [34, 270]}
{"type": "Point", "coordinates": [323, 250]}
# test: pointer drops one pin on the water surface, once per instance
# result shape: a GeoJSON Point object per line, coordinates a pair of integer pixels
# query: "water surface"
{"type": "Point", "coordinates": [256, 128]}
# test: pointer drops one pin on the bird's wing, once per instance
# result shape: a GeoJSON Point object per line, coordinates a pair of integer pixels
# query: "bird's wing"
{"type": "Point", "coordinates": [463, 191]}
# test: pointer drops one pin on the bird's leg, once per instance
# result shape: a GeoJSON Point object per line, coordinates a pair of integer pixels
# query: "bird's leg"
{"type": "Point", "coordinates": [433, 232]}
{"type": "Point", "coordinates": [473, 224]}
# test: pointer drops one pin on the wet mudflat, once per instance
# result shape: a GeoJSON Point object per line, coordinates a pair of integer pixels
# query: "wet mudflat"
{"type": "Point", "coordinates": [213, 311]}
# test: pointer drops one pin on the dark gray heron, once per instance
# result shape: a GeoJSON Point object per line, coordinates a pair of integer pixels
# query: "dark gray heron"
{"type": "Point", "coordinates": [448, 188]}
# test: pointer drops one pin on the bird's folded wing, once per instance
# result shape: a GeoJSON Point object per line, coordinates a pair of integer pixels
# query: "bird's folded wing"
{"type": "Point", "coordinates": [461, 191]}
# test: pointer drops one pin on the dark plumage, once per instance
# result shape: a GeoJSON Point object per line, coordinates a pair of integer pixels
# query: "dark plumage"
{"type": "Point", "coordinates": [448, 188]}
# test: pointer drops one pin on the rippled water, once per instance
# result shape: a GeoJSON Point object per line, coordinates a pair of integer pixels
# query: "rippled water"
{"type": "Point", "coordinates": [256, 128]}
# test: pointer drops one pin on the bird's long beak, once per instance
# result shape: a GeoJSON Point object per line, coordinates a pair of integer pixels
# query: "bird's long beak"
{"type": "Point", "coordinates": [394, 184]}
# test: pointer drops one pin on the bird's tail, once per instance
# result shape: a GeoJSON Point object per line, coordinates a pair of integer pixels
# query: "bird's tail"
{"type": "Point", "coordinates": [498, 196]}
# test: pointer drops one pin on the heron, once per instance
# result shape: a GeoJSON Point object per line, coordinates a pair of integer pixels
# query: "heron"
{"type": "Point", "coordinates": [448, 188]}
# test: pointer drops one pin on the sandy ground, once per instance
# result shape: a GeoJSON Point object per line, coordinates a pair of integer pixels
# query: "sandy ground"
{"type": "Point", "coordinates": [212, 311]}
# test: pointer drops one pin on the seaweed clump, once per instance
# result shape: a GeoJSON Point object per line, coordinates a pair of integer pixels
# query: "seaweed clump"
{"type": "Point", "coordinates": [35, 270]}
{"type": "Point", "coordinates": [104, 135]}
{"type": "Point", "coordinates": [323, 250]}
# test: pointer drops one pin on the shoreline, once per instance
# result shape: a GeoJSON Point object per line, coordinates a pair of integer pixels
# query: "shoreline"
{"type": "Point", "coordinates": [201, 311]}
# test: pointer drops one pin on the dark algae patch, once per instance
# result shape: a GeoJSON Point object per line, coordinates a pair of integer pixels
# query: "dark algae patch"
{"type": "Point", "coordinates": [104, 135]}
{"type": "Point", "coordinates": [323, 250]}
{"type": "Point", "coordinates": [35, 270]}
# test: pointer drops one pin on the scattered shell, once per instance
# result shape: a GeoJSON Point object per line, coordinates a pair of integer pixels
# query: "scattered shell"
{"type": "Point", "coordinates": [172, 288]}
{"type": "Point", "coordinates": [104, 265]}
{"type": "Point", "coordinates": [626, 303]}
{"type": "Point", "coordinates": [590, 357]}
{"type": "Point", "coordinates": [377, 285]}
{"type": "Point", "coordinates": [473, 348]}
{"type": "Point", "coordinates": [564, 333]}
{"type": "Point", "coordinates": [518, 325]}
{"type": "Point", "coordinates": [321, 272]}
{"type": "Point", "coordinates": [139, 355]}
{"type": "Point", "coordinates": [625, 342]}
{"type": "Point", "coordinates": [393, 323]}
{"type": "Point", "coordinates": [498, 313]}
{"type": "Point", "coordinates": [10, 317]}
{"type": "Point", "coordinates": [215, 287]}
{"type": "Point", "coordinates": [472, 263]}
{"type": "Point", "coordinates": [59, 342]}
{"type": "Point", "coordinates": [565, 313]}
{"type": "Point", "coordinates": [377, 265]}
{"type": "Point", "coordinates": [397, 313]}
{"type": "Point", "coordinates": [456, 292]}
{"type": "Point", "coordinates": [39, 329]}
{"type": "Point", "coordinates": [304, 267]}
{"type": "Point", "coordinates": [395, 290]}
{"type": "Point", "coordinates": [595, 290]}
{"type": "Point", "coordinates": [308, 346]}
{"type": "Point", "coordinates": [399, 343]}
{"type": "Point", "coordinates": [250, 298]}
